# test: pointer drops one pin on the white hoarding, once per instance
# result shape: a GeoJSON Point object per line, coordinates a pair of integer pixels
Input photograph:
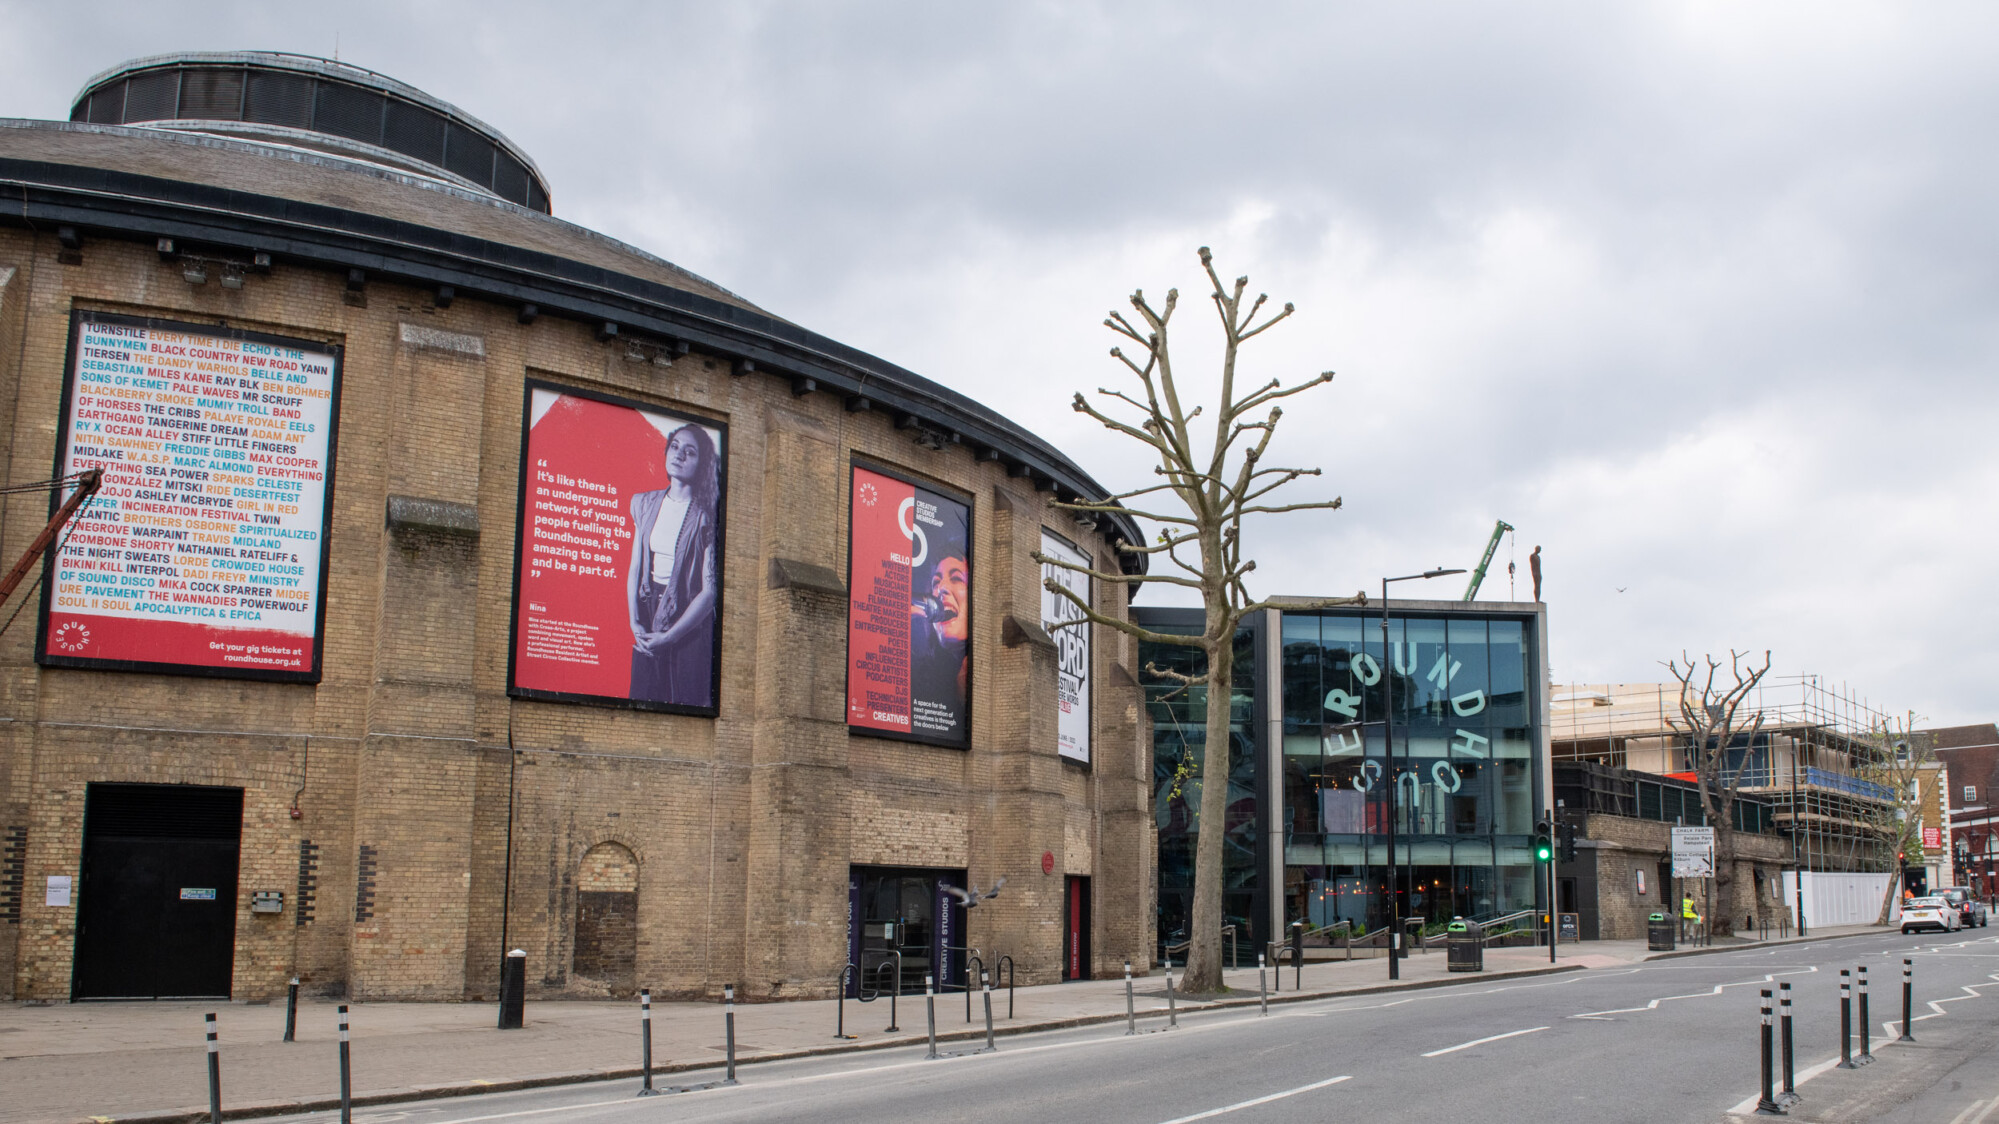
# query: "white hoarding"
{"type": "Point", "coordinates": [1072, 648]}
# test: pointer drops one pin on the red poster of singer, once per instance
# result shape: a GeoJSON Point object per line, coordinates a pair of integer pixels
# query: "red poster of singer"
{"type": "Point", "coordinates": [909, 616]}
{"type": "Point", "coordinates": [203, 552]}
{"type": "Point", "coordinates": [618, 552]}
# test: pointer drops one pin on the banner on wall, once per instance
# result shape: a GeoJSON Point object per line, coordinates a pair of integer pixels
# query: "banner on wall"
{"type": "Point", "coordinates": [618, 553]}
{"type": "Point", "coordinates": [909, 664]}
{"type": "Point", "coordinates": [1072, 648]}
{"type": "Point", "coordinates": [203, 552]}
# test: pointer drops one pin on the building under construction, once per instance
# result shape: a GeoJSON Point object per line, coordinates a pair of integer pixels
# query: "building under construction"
{"type": "Point", "coordinates": [1814, 759]}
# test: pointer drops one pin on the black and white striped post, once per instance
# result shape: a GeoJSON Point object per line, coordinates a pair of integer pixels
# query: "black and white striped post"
{"type": "Point", "coordinates": [291, 1011]}
{"type": "Point", "coordinates": [346, 1072]}
{"type": "Point", "coordinates": [214, 1073]}
{"type": "Point", "coordinates": [1172, 1011]}
{"type": "Point", "coordinates": [986, 988]}
{"type": "Point", "coordinates": [1866, 1024]}
{"type": "Point", "coordinates": [930, 1010]}
{"type": "Point", "coordinates": [645, 1042]}
{"type": "Point", "coordinates": [1766, 1104]}
{"type": "Point", "coordinates": [1790, 1095]}
{"type": "Point", "coordinates": [1908, 998]}
{"type": "Point", "coordinates": [1130, 1011]}
{"type": "Point", "coordinates": [1262, 992]}
{"type": "Point", "coordinates": [1845, 1020]}
{"type": "Point", "coordinates": [729, 1029]}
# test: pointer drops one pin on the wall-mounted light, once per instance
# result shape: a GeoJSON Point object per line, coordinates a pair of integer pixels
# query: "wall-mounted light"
{"type": "Point", "coordinates": [196, 272]}
{"type": "Point", "coordinates": [232, 277]}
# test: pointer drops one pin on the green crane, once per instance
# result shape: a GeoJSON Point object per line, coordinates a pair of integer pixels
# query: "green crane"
{"type": "Point", "coordinates": [1498, 529]}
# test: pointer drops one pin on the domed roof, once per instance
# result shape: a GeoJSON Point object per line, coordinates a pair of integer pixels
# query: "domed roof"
{"type": "Point", "coordinates": [317, 104]}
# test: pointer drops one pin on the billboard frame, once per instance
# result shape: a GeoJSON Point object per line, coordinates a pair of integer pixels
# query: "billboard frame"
{"type": "Point", "coordinates": [514, 690]}
{"type": "Point", "coordinates": [858, 461]}
{"type": "Point", "coordinates": [337, 351]}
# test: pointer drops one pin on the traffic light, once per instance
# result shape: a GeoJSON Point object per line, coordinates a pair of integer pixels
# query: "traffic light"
{"type": "Point", "coordinates": [1544, 846]}
{"type": "Point", "coordinates": [1568, 835]}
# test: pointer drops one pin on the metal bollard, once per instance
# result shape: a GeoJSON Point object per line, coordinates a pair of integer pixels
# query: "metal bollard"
{"type": "Point", "coordinates": [1262, 993]}
{"type": "Point", "coordinates": [1845, 1020]}
{"type": "Point", "coordinates": [513, 990]}
{"type": "Point", "coordinates": [645, 1041]}
{"type": "Point", "coordinates": [840, 1013]}
{"type": "Point", "coordinates": [892, 1028]}
{"type": "Point", "coordinates": [1298, 955]}
{"type": "Point", "coordinates": [291, 1011]}
{"type": "Point", "coordinates": [729, 1029]}
{"type": "Point", "coordinates": [1766, 1105]}
{"type": "Point", "coordinates": [986, 987]}
{"type": "Point", "coordinates": [1866, 1028]}
{"type": "Point", "coordinates": [214, 1073]}
{"type": "Point", "coordinates": [1130, 1012]}
{"type": "Point", "coordinates": [346, 1072]}
{"type": "Point", "coordinates": [1908, 994]}
{"type": "Point", "coordinates": [930, 1009]}
{"type": "Point", "coordinates": [1790, 1080]}
{"type": "Point", "coordinates": [1172, 1012]}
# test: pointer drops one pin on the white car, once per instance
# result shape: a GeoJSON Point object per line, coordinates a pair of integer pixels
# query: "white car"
{"type": "Point", "coordinates": [1929, 913]}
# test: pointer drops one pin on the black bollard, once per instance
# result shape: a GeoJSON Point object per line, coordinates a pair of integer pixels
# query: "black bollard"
{"type": "Point", "coordinates": [1766, 1105]}
{"type": "Point", "coordinates": [729, 1029]}
{"type": "Point", "coordinates": [346, 1072]}
{"type": "Point", "coordinates": [930, 1011]}
{"type": "Point", "coordinates": [892, 1028]}
{"type": "Point", "coordinates": [840, 1012]}
{"type": "Point", "coordinates": [1130, 1012]}
{"type": "Point", "coordinates": [645, 1042]}
{"type": "Point", "coordinates": [1908, 996]}
{"type": "Point", "coordinates": [1262, 993]}
{"type": "Point", "coordinates": [1845, 1020]}
{"type": "Point", "coordinates": [1790, 1081]}
{"type": "Point", "coordinates": [1298, 955]}
{"type": "Point", "coordinates": [214, 1073]}
{"type": "Point", "coordinates": [986, 987]}
{"type": "Point", "coordinates": [513, 990]}
{"type": "Point", "coordinates": [1866, 1028]}
{"type": "Point", "coordinates": [291, 1011]}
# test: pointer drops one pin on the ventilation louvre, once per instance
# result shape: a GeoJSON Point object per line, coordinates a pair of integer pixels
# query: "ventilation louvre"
{"type": "Point", "coordinates": [162, 811]}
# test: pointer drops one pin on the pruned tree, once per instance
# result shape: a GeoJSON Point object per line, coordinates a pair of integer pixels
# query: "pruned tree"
{"type": "Point", "coordinates": [1713, 723]}
{"type": "Point", "coordinates": [1902, 761]}
{"type": "Point", "coordinates": [1209, 488]}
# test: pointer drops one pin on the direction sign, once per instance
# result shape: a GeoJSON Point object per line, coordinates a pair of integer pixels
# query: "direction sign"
{"type": "Point", "coordinates": [1693, 852]}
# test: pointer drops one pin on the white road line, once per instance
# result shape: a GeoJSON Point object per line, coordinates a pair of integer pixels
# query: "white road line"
{"type": "Point", "coordinates": [1482, 1041]}
{"type": "Point", "coordinates": [1716, 990]}
{"type": "Point", "coordinates": [1974, 1106]}
{"type": "Point", "coordinates": [1259, 1100]}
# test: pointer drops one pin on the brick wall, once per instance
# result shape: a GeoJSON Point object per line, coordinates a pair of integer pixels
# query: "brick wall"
{"type": "Point", "coordinates": [1622, 847]}
{"type": "Point", "coordinates": [479, 813]}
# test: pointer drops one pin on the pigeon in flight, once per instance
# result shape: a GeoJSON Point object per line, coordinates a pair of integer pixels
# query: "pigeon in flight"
{"type": "Point", "coordinates": [972, 897]}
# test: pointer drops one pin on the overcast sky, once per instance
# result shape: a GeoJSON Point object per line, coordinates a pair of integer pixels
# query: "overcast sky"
{"type": "Point", "coordinates": [1700, 297]}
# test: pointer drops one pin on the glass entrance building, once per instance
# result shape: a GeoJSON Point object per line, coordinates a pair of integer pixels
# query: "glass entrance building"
{"type": "Point", "coordinates": [1338, 731]}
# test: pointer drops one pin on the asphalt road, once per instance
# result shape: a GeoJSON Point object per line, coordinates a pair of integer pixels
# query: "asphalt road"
{"type": "Point", "coordinates": [1671, 1040]}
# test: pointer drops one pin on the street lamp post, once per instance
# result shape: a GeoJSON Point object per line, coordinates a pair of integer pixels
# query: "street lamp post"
{"type": "Point", "coordinates": [1394, 783]}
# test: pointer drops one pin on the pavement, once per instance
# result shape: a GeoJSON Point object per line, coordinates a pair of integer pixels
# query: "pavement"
{"type": "Point", "coordinates": [145, 1061]}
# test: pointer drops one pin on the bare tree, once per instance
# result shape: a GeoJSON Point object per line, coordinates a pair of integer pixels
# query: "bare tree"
{"type": "Point", "coordinates": [1902, 761]}
{"type": "Point", "coordinates": [1216, 486]}
{"type": "Point", "coordinates": [1712, 721]}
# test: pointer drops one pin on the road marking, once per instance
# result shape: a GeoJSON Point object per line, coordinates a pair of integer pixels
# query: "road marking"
{"type": "Point", "coordinates": [1482, 1041]}
{"type": "Point", "coordinates": [1965, 1116]}
{"type": "Point", "coordinates": [1259, 1100]}
{"type": "Point", "coordinates": [1715, 990]}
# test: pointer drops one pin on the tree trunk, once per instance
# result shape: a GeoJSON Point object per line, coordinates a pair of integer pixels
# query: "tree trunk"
{"type": "Point", "coordinates": [1722, 923]}
{"type": "Point", "coordinates": [1204, 935]}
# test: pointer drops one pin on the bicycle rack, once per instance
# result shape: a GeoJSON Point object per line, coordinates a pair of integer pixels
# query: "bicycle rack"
{"type": "Point", "coordinates": [971, 958]}
{"type": "Point", "coordinates": [1006, 963]}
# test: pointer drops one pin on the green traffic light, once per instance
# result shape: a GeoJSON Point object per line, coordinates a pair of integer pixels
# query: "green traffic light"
{"type": "Point", "coordinates": [1544, 851]}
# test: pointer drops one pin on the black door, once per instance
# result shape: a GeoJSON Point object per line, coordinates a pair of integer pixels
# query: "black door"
{"type": "Point", "coordinates": [1076, 929]}
{"type": "Point", "coordinates": [156, 910]}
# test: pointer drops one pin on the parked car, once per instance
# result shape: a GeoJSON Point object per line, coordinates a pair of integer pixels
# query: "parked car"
{"type": "Point", "coordinates": [1929, 913]}
{"type": "Point", "coordinates": [1971, 912]}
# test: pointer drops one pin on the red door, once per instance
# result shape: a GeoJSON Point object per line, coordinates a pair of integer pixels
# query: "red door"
{"type": "Point", "coordinates": [1076, 929]}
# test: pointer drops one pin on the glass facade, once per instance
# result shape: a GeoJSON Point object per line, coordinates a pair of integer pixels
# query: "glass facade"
{"type": "Point", "coordinates": [1453, 693]}
{"type": "Point", "coordinates": [1458, 692]}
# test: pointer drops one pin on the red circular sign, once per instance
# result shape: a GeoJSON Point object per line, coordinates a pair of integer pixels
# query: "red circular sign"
{"type": "Point", "coordinates": [1047, 862]}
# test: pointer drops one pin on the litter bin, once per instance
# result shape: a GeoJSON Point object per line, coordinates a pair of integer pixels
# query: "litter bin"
{"type": "Point", "coordinates": [1659, 933]}
{"type": "Point", "coordinates": [1464, 946]}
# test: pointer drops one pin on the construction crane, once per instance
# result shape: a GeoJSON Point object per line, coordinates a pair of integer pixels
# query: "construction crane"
{"type": "Point", "coordinates": [86, 487]}
{"type": "Point", "coordinates": [1498, 530]}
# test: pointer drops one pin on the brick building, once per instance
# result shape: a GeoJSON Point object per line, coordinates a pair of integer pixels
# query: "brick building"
{"type": "Point", "coordinates": [385, 808]}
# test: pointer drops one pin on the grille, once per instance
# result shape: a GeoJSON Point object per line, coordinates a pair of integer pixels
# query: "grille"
{"type": "Point", "coordinates": [152, 97]}
{"type": "Point", "coordinates": [279, 99]}
{"type": "Point", "coordinates": [162, 811]}
{"type": "Point", "coordinates": [206, 94]}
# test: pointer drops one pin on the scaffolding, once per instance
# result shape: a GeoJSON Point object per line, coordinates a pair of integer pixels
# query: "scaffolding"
{"type": "Point", "coordinates": [1812, 759]}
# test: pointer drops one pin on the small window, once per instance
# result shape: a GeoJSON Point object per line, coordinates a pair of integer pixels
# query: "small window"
{"type": "Point", "coordinates": [1970, 793]}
